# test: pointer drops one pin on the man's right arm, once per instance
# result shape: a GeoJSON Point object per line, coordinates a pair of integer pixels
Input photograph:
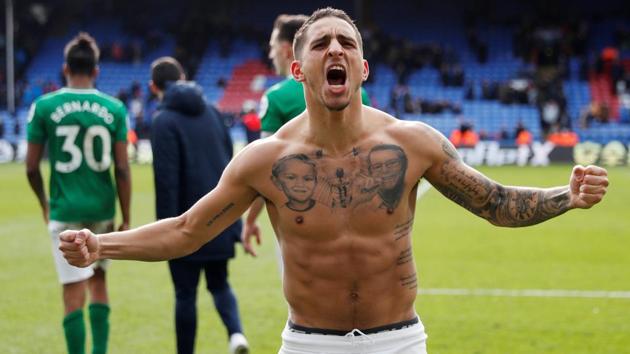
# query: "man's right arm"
{"type": "Point", "coordinates": [173, 237]}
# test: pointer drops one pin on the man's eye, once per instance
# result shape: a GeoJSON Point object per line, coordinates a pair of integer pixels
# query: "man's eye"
{"type": "Point", "coordinates": [392, 163]}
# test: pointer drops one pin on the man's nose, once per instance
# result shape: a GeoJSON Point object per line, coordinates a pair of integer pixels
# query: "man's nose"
{"type": "Point", "coordinates": [335, 49]}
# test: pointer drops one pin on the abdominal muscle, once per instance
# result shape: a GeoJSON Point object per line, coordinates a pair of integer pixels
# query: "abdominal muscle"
{"type": "Point", "coordinates": [348, 280]}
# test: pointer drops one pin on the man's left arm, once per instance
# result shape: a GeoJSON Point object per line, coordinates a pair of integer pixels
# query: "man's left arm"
{"type": "Point", "coordinates": [122, 172]}
{"type": "Point", "coordinates": [507, 205]}
{"type": "Point", "coordinates": [34, 153]}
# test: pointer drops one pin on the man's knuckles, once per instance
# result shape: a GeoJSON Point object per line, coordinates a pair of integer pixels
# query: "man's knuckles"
{"type": "Point", "coordinates": [595, 180]}
{"type": "Point", "coordinates": [595, 170]}
{"type": "Point", "coordinates": [592, 189]}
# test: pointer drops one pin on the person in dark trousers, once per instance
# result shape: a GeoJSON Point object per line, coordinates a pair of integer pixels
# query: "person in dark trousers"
{"type": "Point", "coordinates": [191, 148]}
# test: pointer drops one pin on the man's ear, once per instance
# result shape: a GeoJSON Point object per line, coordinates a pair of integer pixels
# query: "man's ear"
{"type": "Point", "coordinates": [95, 72]}
{"type": "Point", "coordinates": [65, 70]}
{"type": "Point", "coordinates": [366, 70]}
{"type": "Point", "coordinates": [296, 71]}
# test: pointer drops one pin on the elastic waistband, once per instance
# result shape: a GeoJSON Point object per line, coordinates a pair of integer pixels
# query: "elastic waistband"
{"type": "Point", "coordinates": [336, 332]}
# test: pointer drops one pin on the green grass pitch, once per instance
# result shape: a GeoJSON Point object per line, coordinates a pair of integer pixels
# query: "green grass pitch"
{"type": "Point", "coordinates": [582, 250]}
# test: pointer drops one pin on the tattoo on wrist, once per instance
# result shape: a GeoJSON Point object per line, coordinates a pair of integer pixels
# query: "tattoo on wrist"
{"type": "Point", "coordinates": [220, 213]}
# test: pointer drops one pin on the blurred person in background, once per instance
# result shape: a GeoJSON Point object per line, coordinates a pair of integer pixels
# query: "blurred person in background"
{"type": "Point", "coordinates": [596, 112]}
{"type": "Point", "coordinates": [83, 128]}
{"type": "Point", "coordinates": [464, 136]}
{"type": "Point", "coordinates": [136, 110]}
{"type": "Point", "coordinates": [191, 147]}
{"type": "Point", "coordinates": [251, 121]}
{"type": "Point", "coordinates": [522, 136]}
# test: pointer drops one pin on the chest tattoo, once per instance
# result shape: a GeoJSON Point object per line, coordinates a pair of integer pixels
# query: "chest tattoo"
{"type": "Point", "coordinates": [375, 176]}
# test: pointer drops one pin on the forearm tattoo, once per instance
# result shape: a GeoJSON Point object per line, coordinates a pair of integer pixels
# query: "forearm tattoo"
{"type": "Point", "coordinates": [220, 213]}
{"type": "Point", "coordinates": [503, 206]}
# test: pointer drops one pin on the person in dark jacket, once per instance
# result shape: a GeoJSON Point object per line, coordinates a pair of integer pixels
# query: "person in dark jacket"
{"type": "Point", "coordinates": [191, 147]}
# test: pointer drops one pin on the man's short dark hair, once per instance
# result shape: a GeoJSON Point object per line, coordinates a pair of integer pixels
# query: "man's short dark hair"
{"type": "Point", "coordinates": [165, 70]}
{"type": "Point", "coordinates": [81, 54]}
{"type": "Point", "coordinates": [288, 25]}
{"type": "Point", "coordinates": [300, 36]}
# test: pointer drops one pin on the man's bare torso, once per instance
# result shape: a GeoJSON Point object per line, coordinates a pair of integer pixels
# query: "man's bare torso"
{"type": "Point", "coordinates": [343, 220]}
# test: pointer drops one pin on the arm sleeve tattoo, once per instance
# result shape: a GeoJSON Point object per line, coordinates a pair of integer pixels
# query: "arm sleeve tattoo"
{"type": "Point", "coordinates": [500, 205]}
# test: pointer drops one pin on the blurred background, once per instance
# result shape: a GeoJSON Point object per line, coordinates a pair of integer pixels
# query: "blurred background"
{"type": "Point", "coordinates": [514, 84]}
{"type": "Point", "coordinates": [558, 70]}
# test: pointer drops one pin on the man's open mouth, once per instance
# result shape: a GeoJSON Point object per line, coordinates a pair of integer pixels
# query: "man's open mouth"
{"type": "Point", "coordinates": [336, 75]}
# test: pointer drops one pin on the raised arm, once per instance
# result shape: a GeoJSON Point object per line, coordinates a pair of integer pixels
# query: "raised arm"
{"type": "Point", "coordinates": [506, 205]}
{"type": "Point", "coordinates": [172, 237]}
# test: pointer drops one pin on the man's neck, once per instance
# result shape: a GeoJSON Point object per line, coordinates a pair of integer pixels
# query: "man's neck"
{"type": "Point", "coordinates": [336, 131]}
{"type": "Point", "coordinates": [80, 82]}
{"type": "Point", "coordinates": [287, 72]}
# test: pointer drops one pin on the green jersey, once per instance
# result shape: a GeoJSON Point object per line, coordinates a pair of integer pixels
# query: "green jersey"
{"type": "Point", "coordinates": [284, 101]}
{"type": "Point", "coordinates": [80, 127]}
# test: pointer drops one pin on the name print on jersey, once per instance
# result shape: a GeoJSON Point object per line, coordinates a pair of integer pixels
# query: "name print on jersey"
{"type": "Point", "coordinates": [77, 106]}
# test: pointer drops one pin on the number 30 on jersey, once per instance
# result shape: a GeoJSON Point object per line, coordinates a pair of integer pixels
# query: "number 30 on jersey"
{"type": "Point", "coordinates": [70, 133]}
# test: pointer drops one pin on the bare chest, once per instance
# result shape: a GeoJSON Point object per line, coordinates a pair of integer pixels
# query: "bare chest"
{"type": "Point", "coordinates": [365, 192]}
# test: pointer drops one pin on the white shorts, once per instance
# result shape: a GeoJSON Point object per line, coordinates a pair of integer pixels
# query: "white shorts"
{"type": "Point", "coordinates": [408, 340]}
{"type": "Point", "coordinates": [68, 273]}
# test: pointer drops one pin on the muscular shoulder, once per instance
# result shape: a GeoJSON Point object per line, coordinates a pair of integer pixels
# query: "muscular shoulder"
{"type": "Point", "coordinates": [419, 139]}
{"type": "Point", "coordinates": [406, 132]}
{"type": "Point", "coordinates": [110, 99]}
{"type": "Point", "coordinates": [253, 163]}
{"type": "Point", "coordinates": [48, 99]}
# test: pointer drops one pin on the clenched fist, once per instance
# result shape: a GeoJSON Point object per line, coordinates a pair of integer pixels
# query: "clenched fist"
{"type": "Point", "coordinates": [80, 248]}
{"type": "Point", "coordinates": [588, 186]}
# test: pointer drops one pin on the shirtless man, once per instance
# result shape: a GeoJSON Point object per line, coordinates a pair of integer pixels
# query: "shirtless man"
{"type": "Point", "coordinates": [349, 274]}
